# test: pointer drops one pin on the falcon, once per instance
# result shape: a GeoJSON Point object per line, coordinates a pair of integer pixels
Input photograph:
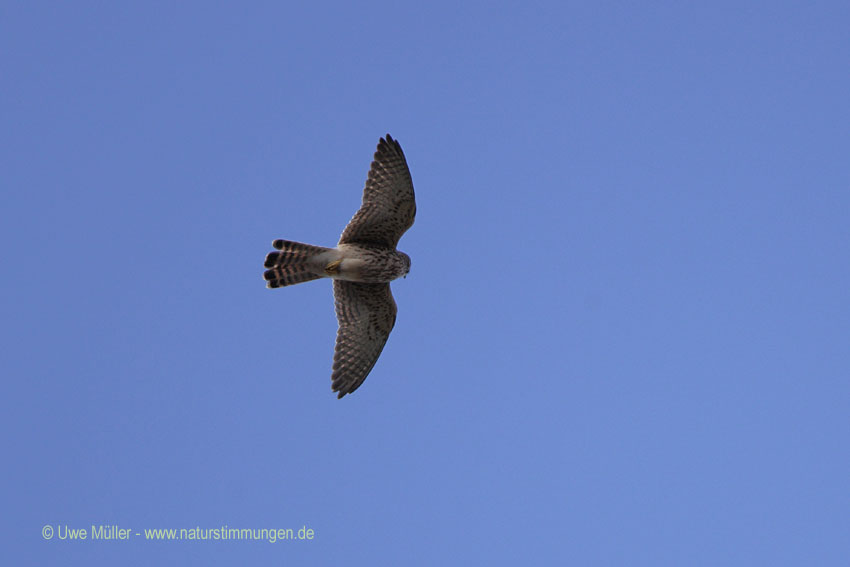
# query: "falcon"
{"type": "Point", "coordinates": [361, 266]}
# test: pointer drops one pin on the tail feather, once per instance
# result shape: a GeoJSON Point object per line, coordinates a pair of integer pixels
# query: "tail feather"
{"type": "Point", "coordinates": [292, 264]}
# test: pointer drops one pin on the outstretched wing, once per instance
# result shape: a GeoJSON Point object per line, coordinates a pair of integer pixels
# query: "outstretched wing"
{"type": "Point", "coordinates": [389, 206]}
{"type": "Point", "coordinates": [366, 314]}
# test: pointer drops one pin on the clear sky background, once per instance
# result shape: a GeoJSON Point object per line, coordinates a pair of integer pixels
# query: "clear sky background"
{"type": "Point", "coordinates": [623, 341]}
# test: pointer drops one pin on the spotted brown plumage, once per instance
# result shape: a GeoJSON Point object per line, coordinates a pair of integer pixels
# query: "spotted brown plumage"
{"type": "Point", "coordinates": [366, 314]}
{"type": "Point", "coordinates": [361, 265]}
{"type": "Point", "coordinates": [388, 205]}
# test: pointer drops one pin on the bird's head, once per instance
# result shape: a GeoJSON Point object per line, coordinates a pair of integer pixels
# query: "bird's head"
{"type": "Point", "coordinates": [405, 260]}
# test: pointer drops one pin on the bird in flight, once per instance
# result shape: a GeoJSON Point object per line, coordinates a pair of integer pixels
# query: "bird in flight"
{"type": "Point", "coordinates": [361, 266]}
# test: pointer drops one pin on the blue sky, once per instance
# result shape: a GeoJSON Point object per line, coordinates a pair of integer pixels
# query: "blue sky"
{"type": "Point", "coordinates": [623, 340]}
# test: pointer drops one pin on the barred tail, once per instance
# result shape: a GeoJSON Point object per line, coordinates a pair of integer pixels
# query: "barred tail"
{"type": "Point", "coordinates": [292, 264]}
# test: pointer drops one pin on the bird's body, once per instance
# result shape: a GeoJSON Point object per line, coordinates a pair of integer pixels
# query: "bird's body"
{"type": "Point", "coordinates": [362, 265]}
{"type": "Point", "coordinates": [369, 264]}
{"type": "Point", "coordinates": [349, 262]}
